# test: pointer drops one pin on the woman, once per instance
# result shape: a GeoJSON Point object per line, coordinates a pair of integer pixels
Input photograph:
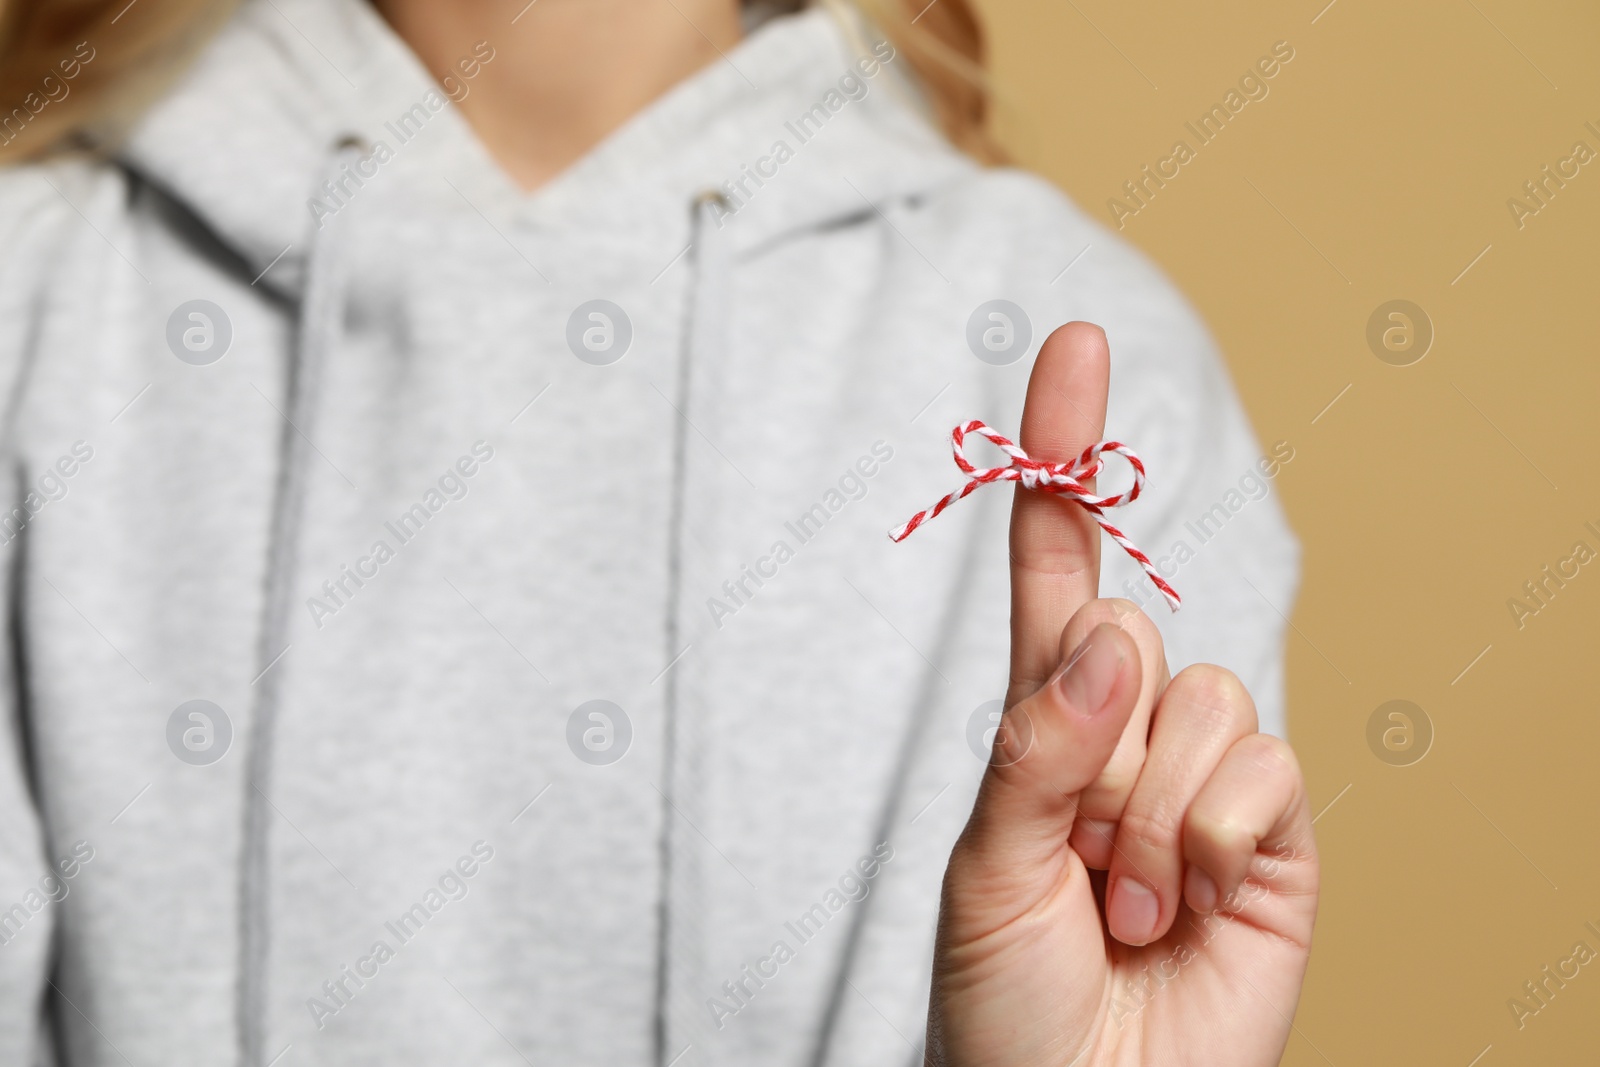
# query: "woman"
{"type": "Point", "coordinates": [451, 617]}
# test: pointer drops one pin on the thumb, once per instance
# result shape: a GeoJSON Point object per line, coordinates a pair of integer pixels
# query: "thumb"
{"type": "Point", "coordinates": [1050, 746]}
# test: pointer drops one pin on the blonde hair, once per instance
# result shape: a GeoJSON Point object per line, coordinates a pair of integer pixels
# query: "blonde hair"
{"type": "Point", "coordinates": [68, 78]}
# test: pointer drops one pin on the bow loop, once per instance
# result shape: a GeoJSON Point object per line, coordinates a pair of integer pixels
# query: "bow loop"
{"type": "Point", "coordinates": [1064, 479]}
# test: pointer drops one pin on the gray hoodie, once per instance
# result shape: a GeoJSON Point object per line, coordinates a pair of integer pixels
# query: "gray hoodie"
{"type": "Point", "coordinates": [453, 625]}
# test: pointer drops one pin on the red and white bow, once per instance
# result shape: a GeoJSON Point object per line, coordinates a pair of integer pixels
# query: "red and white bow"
{"type": "Point", "coordinates": [1064, 478]}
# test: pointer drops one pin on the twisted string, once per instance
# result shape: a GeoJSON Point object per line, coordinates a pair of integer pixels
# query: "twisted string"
{"type": "Point", "coordinates": [1064, 479]}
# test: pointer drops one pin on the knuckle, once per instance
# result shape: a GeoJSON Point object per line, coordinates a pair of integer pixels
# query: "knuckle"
{"type": "Point", "coordinates": [1105, 609]}
{"type": "Point", "coordinates": [1207, 683]}
{"type": "Point", "coordinates": [1121, 771]}
{"type": "Point", "coordinates": [1270, 756]}
{"type": "Point", "coordinates": [1151, 827]}
{"type": "Point", "coordinates": [1120, 612]}
{"type": "Point", "coordinates": [1222, 832]}
{"type": "Point", "coordinates": [1115, 783]}
{"type": "Point", "coordinates": [1109, 793]}
{"type": "Point", "coordinates": [1107, 797]}
{"type": "Point", "coordinates": [1214, 692]}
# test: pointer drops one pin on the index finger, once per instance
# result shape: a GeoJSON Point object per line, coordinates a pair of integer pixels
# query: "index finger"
{"type": "Point", "coordinates": [1055, 544]}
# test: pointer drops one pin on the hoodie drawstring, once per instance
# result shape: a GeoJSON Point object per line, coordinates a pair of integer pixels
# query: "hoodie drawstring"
{"type": "Point", "coordinates": [321, 308]}
{"type": "Point", "coordinates": [680, 1033]}
{"type": "Point", "coordinates": [681, 1027]}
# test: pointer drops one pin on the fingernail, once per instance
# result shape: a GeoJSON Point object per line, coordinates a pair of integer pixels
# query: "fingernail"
{"type": "Point", "coordinates": [1200, 890]}
{"type": "Point", "coordinates": [1092, 672]}
{"type": "Point", "coordinates": [1134, 911]}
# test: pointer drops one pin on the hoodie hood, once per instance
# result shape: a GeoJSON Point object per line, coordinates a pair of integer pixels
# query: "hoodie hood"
{"type": "Point", "coordinates": [561, 698]}
{"type": "Point", "coordinates": [336, 169]}
{"type": "Point", "coordinates": [285, 84]}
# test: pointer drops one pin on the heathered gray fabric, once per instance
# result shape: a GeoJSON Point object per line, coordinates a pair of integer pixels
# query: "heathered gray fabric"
{"type": "Point", "coordinates": [421, 721]}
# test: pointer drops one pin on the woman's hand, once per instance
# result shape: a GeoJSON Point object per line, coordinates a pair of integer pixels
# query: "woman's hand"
{"type": "Point", "coordinates": [1138, 881]}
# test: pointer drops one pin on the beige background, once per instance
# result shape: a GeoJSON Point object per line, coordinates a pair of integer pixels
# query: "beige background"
{"type": "Point", "coordinates": [1379, 167]}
